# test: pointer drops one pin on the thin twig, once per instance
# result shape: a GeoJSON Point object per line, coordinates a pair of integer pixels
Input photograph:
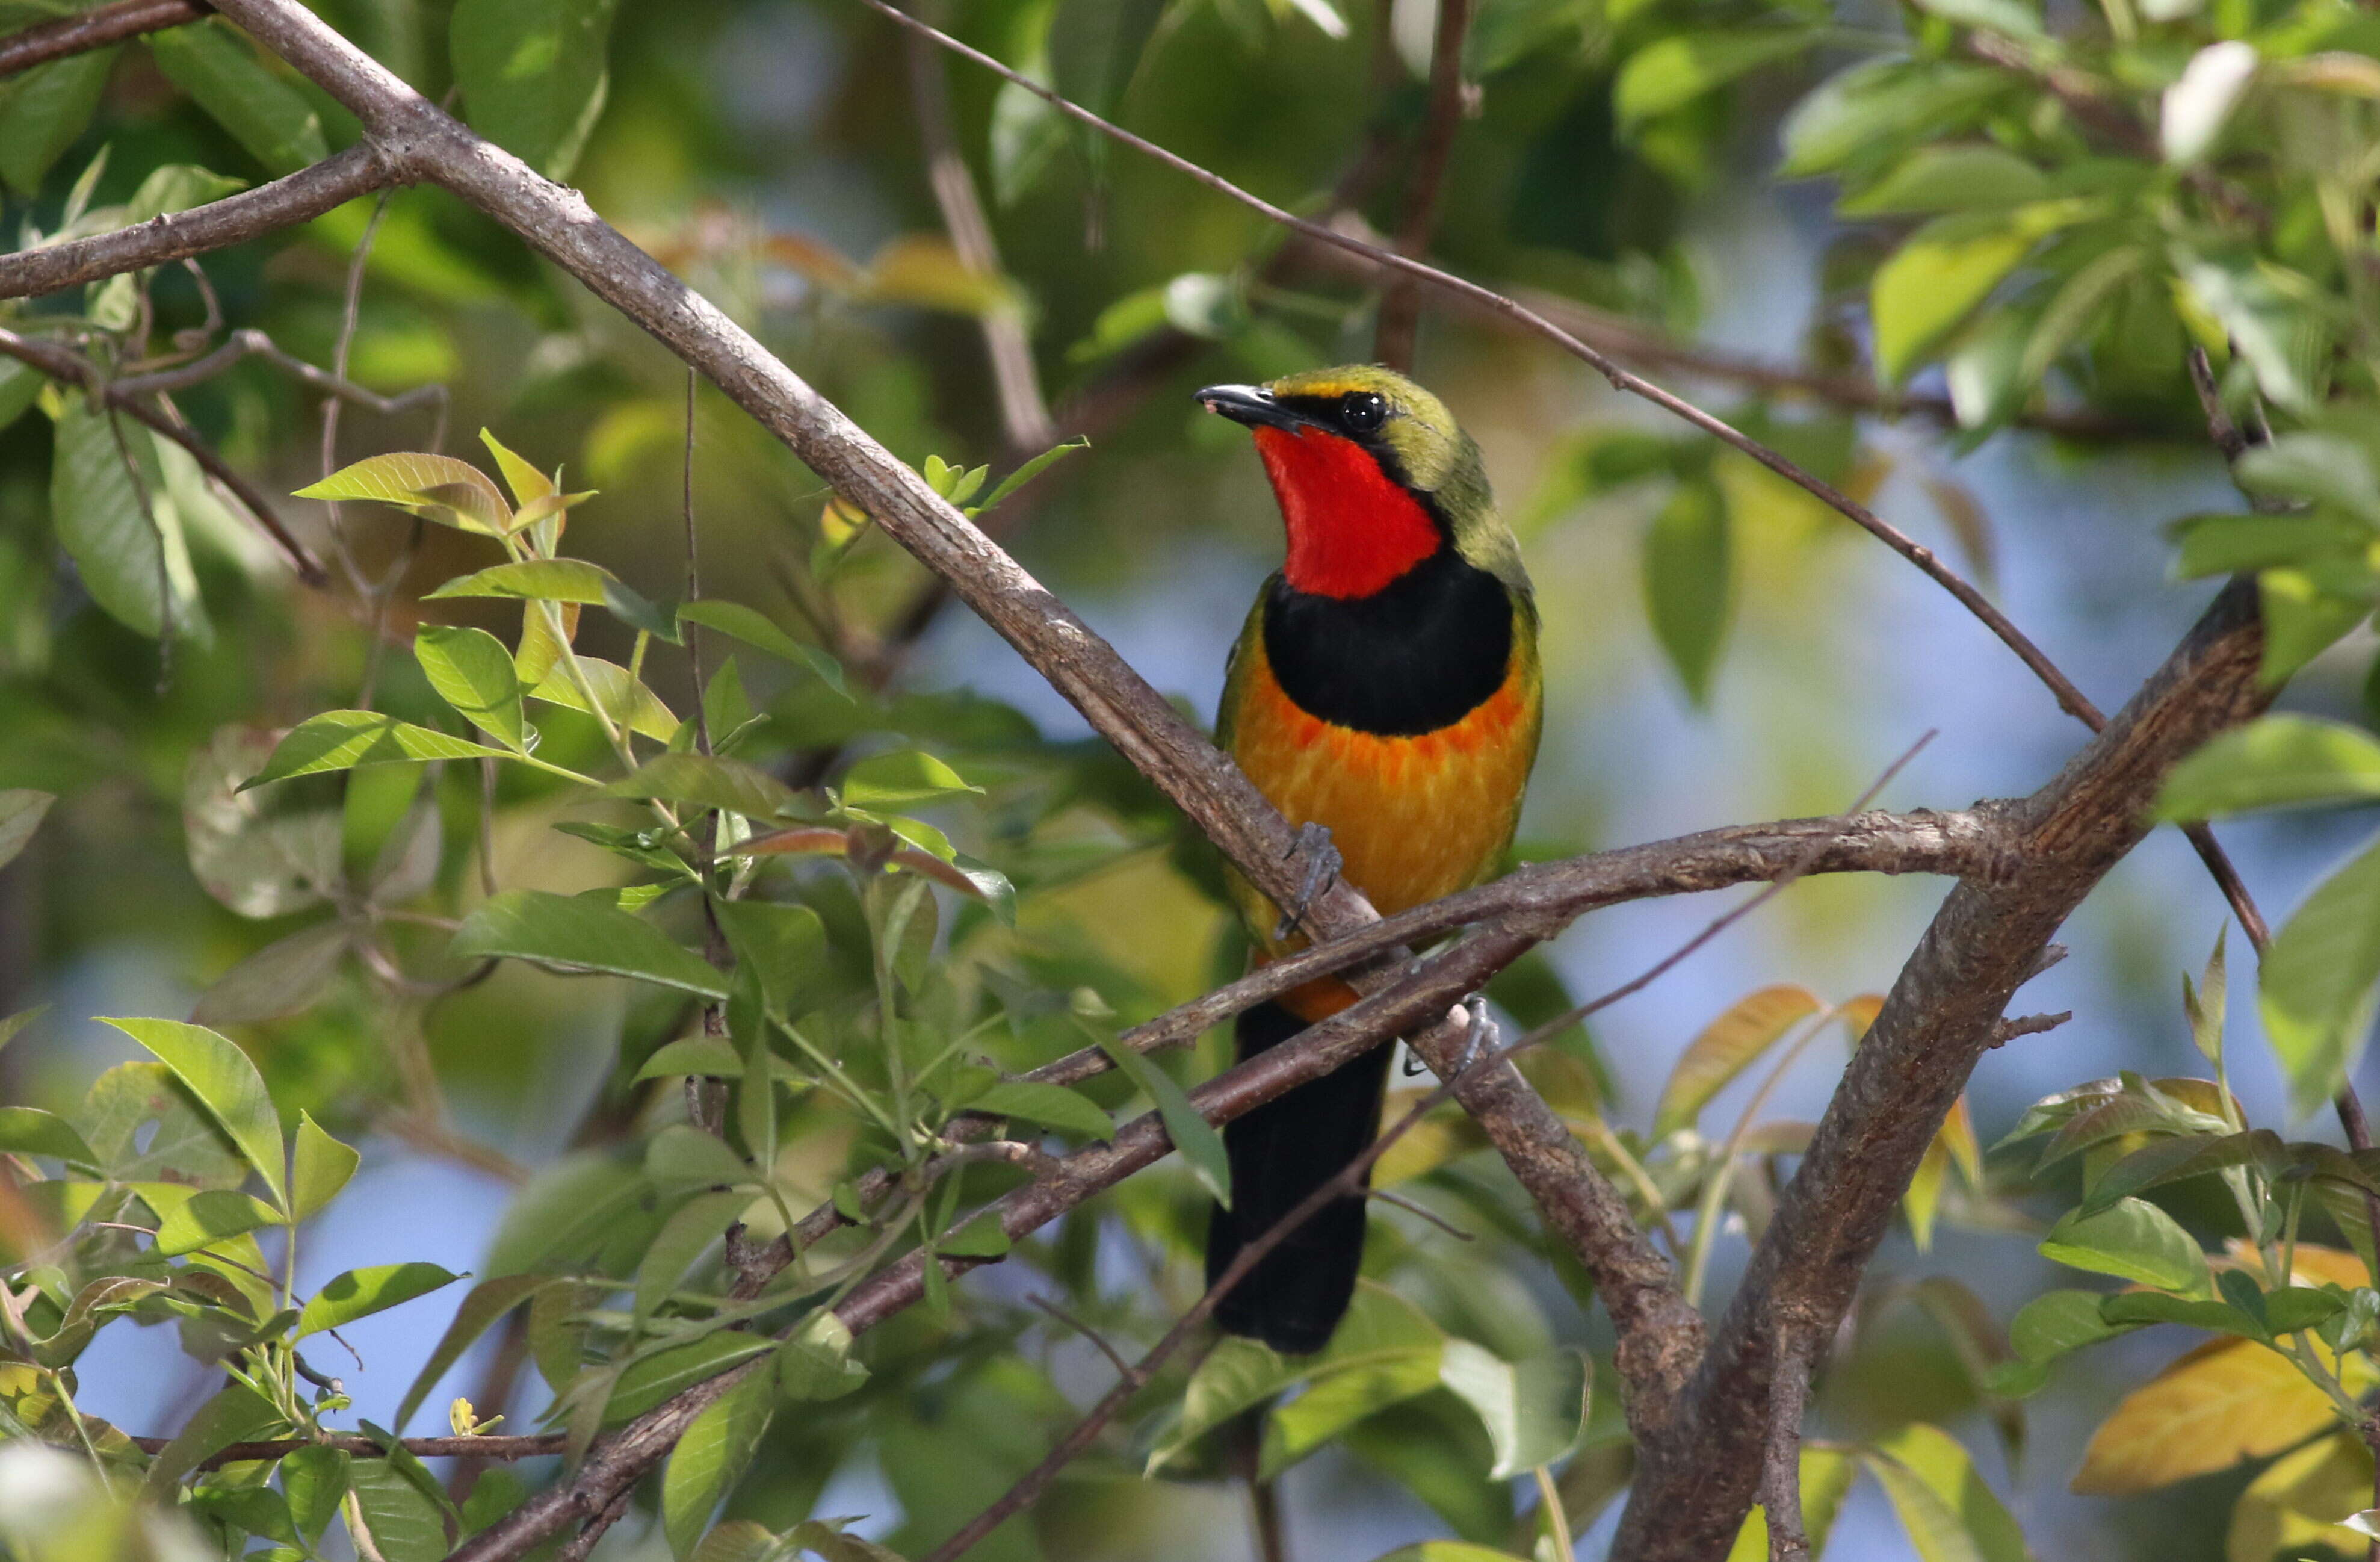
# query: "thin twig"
{"type": "Point", "coordinates": [61, 362]}
{"type": "Point", "coordinates": [1393, 340]}
{"type": "Point", "coordinates": [1123, 1367]}
{"type": "Point", "coordinates": [94, 29]}
{"type": "Point", "coordinates": [1024, 410]}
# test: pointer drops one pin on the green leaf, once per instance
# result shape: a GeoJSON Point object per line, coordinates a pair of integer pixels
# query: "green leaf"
{"type": "Point", "coordinates": [1534, 1410]}
{"type": "Point", "coordinates": [2135, 1309]}
{"type": "Point", "coordinates": [21, 386]}
{"type": "Point", "coordinates": [44, 112]}
{"type": "Point", "coordinates": [495, 1493]}
{"type": "Point", "coordinates": [1192, 1134]}
{"type": "Point", "coordinates": [815, 1362]}
{"type": "Point", "coordinates": [2316, 988]}
{"type": "Point", "coordinates": [647, 1382]}
{"type": "Point", "coordinates": [360, 1293]}
{"type": "Point", "coordinates": [210, 1217]}
{"type": "Point", "coordinates": [1950, 1513]}
{"type": "Point", "coordinates": [532, 74]}
{"type": "Point", "coordinates": [315, 1480]}
{"type": "Point", "coordinates": [692, 1228]}
{"type": "Point", "coordinates": [2171, 1160]}
{"type": "Point", "coordinates": [437, 488]}
{"type": "Point", "coordinates": [2232, 544]}
{"type": "Point", "coordinates": [981, 1238]}
{"type": "Point", "coordinates": [1672, 72]}
{"type": "Point", "coordinates": [711, 1457]}
{"type": "Point", "coordinates": [682, 1154]}
{"type": "Point", "coordinates": [2274, 761]}
{"type": "Point", "coordinates": [234, 1415]}
{"type": "Point", "coordinates": [1028, 471]}
{"type": "Point", "coordinates": [1880, 105]}
{"type": "Point", "coordinates": [486, 1302]}
{"type": "Point", "coordinates": [737, 1540]}
{"type": "Point", "coordinates": [533, 580]}
{"type": "Point", "coordinates": [1051, 1105]}
{"type": "Point", "coordinates": [404, 1522]}
{"type": "Point", "coordinates": [706, 781]}
{"type": "Point", "coordinates": [29, 1130]}
{"type": "Point", "coordinates": [21, 811]}
{"type": "Point", "coordinates": [572, 934]}
{"type": "Point", "coordinates": [342, 740]}
{"type": "Point", "coordinates": [2012, 17]}
{"type": "Point", "coordinates": [133, 559]}
{"type": "Point", "coordinates": [2301, 620]}
{"type": "Point", "coordinates": [473, 672]}
{"type": "Point", "coordinates": [287, 975]}
{"type": "Point", "coordinates": [1933, 281]}
{"type": "Point", "coordinates": [900, 779]}
{"type": "Point", "coordinates": [264, 113]}
{"type": "Point", "coordinates": [1689, 581]}
{"type": "Point", "coordinates": [1096, 46]}
{"type": "Point", "coordinates": [2133, 1241]}
{"type": "Point", "coordinates": [712, 1056]}
{"type": "Point", "coordinates": [2268, 327]}
{"type": "Point", "coordinates": [2057, 1322]}
{"type": "Point", "coordinates": [626, 700]}
{"type": "Point", "coordinates": [1936, 179]}
{"type": "Point", "coordinates": [786, 944]}
{"type": "Point", "coordinates": [754, 628]}
{"type": "Point", "coordinates": [226, 1084]}
{"type": "Point", "coordinates": [2314, 465]}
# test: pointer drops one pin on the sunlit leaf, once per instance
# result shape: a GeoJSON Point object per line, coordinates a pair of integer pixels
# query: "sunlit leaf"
{"type": "Point", "coordinates": [2131, 1240]}
{"type": "Point", "coordinates": [132, 554]}
{"type": "Point", "coordinates": [2315, 987]}
{"type": "Point", "coordinates": [226, 1083]}
{"type": "Point", "coordinates": [1534, 1410]}
{"type": "Point", "coordinates": [211, 1217]}
{"type": "Point", "coordinates": [902, 779]}
{"type": "Point", "coordinates": [2274, 761]}
{"type": "Point", "coordinates": [360, 1293]}
{"type": "Point", "coordinates": [1726, 1047]}
{"type": "Point", "coordinates": [711, 1457]}
{"type": "Point", "coordinates": [473, 672]}
{"type": "Point", "coordinates": [1950, 1514]}
{"type": "Point", "coordinates": [437, 488]}
{"type": "Point", "coordinates": [2292, 1508]}
{"type": "Point", "coordinates": [706, 781]}
{"type": "Point", "coordinates": [1672, 72]}
{"type": "Point", "coordinates": [342, 740]}
{"type": "Point", "coordinates": [2226, 1401]}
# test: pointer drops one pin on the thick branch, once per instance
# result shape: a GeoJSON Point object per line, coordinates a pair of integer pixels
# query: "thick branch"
{"type": "Point", "coordinates": [94, 29]}
{"type": "Point", "coordinates": [1696, 1480]}
{"type": "Point", "coordinates": [285, 202]}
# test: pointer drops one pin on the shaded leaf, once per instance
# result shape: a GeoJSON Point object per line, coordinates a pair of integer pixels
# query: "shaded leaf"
{"type": "Point", "coordinates": [573, 935]}
{"type": "Point", "coordinates": [287, 975]}
{"type": "Point", "coordinates": [210, 1217]}
{"type": "Point", "coordinates": [711, 1457]}
{"type": "Point", "coordinates": [269, 117]}
{"type": "Point", "coordinates": [1534, 1410]}
{"type": "Point", "coordinates": [319, 1167]}
{"type": "Point", "coordinates": [1192, 1134]}
{"type": "Point", "coordinates": [1689, 581]}
{"type": "Point", "coordinates": [2133, 1240]}
{"type": "Point", "coordinates": [21, 811]}
{"type": "Point", "coordinates": [2315, 987]}
{"type": "Point", "coordinates": [1051, 1105]}
{"type": "Point", "coordinates": [707, 781]}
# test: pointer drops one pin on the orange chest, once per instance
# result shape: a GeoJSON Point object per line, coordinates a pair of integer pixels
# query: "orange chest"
{"type": "Point", "coordinates": [1413, 817]}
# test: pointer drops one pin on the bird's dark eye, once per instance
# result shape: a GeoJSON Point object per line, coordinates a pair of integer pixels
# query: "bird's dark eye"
{"type": "Point", "coordinates": [1362, 411]}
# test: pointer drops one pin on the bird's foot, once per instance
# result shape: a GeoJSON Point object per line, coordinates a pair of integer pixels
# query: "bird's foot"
{"type": "Point", "coordinates": [1322, 865]}
{"type": "Point", "coordinates": [1480, 1040]}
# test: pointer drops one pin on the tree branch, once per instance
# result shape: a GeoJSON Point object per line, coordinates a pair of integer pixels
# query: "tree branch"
{"type": "Point", "coordinates": [1392, 342]}
{"type": "Point", "coordinates": [285, 202]}
{"type": "Point", "coordinates": [1696, 1477]}
{"type": "Point", "coordinates": [1024, 412]}
{"type": "Point", "coordinates": [94, 29]}
{"type": "Point", "coordinates": [370, 1447]}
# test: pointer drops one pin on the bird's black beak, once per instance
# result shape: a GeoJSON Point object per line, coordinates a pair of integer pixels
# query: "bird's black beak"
{"type": "Point", "coordinates": [1252, 405]}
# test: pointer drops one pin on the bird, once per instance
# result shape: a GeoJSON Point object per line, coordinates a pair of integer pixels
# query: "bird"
{"type": "Point", "coordinates": [1386, 687]}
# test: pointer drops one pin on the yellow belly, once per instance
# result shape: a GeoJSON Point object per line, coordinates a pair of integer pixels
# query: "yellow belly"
{"type": "Point", "coordinates": [1414, 818]}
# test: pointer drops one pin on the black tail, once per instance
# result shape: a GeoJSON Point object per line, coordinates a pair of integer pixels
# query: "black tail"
{"type": "Point", "coordinates": [1281, 1152]}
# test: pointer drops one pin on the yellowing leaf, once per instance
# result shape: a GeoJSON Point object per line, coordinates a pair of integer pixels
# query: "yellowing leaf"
{"type": "Point", "coordinates": [2311, 1264]}
{"type": "Point", "coordinates": [2227, 1401]}
{"type": "Point", "coordinates": [2291, 1507]}
{"type": "Point", "coordinates": [1726, 1046]}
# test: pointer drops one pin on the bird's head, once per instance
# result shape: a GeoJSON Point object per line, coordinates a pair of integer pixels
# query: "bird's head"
{"type": "Point", "coordinates": [1372, 474]}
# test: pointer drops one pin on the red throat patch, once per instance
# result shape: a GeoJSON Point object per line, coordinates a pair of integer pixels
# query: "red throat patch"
{"type": "Point", "coordinates": [1350, 530]}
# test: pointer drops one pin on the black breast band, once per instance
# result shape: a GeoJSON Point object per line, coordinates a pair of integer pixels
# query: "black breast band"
{"type": "Point", "coordinates": [1417, 656]}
